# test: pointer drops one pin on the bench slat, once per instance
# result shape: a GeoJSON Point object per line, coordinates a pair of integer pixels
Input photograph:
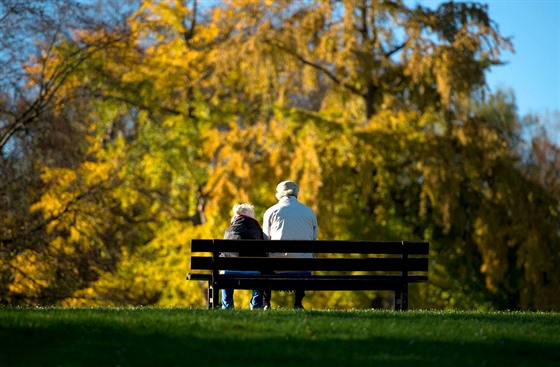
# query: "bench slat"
{"type": "Point", "coordinates": [317, 283]}
{"type": "Point", "coordinates": [356, 247]}
{"type": "Point", "coordinates": [311, 264]}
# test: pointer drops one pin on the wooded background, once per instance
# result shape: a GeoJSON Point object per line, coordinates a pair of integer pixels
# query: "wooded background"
{"type": "Point", "coordinates": [128, 128]}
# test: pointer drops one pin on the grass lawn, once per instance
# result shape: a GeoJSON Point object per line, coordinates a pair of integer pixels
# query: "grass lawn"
{"type": "Point", "coordinates": [201, 337]}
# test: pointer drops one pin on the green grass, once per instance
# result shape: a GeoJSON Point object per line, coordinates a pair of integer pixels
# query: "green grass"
{"type": "Point", "coordinates": [201, 337]}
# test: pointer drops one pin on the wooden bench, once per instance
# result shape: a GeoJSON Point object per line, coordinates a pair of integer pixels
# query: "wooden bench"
{"type": "Point", "coordinates": [337, 265]}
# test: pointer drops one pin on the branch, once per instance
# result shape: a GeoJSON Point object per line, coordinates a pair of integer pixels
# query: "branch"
{"type": "Point", "coordinates": [321, 68]}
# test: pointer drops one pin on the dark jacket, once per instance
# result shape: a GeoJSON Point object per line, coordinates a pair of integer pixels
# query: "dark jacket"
{"type": "Point", "coordinates": [245, 228]}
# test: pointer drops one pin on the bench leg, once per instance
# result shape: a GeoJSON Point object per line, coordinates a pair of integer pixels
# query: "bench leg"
{"type": "Point", "coordinates": [398, 300]}
{"type": "Point", "coordinates": [405, 297]}
{"type": "Point", "coordinates": [210, 300]}
{"type": "Point", "coordinates": [401, 298]}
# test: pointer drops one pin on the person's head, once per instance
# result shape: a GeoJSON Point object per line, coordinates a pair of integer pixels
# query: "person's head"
{"type": "Point", "coordinates": [243, 209]}
{"type": "Point", "coordinates": [286, 189]}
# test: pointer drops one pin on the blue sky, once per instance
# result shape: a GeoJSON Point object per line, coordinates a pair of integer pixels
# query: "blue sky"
{"type": "Point", "coordinates": [533, 71]}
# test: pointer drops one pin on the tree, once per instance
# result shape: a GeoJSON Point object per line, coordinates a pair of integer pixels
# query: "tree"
{"type": "Point", "coordinates": [39, 127]}
{"type": "Point", "coordinates": [376, 109]}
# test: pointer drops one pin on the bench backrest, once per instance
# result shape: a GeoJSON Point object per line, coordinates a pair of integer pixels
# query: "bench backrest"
{"type": "Point", "coordinates": [406, 257]}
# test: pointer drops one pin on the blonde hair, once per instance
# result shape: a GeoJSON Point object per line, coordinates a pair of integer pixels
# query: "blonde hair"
{"type": "Point", "coordinates": [243, 209]}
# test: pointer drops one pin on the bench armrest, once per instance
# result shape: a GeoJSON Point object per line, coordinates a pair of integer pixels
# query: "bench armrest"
{"type": "Point", "coordinates": [194, 276]}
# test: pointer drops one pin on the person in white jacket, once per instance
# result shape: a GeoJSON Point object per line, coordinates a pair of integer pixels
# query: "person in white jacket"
{"type": "Point", "coordinates": [289, 220]}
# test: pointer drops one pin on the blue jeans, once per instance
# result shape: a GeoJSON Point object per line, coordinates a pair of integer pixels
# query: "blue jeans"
{"type": "Point", "coordinates": [227, 294]}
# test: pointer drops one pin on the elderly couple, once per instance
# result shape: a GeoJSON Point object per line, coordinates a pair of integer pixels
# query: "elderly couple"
{"type": "Point", "coordinates": [286, 220]}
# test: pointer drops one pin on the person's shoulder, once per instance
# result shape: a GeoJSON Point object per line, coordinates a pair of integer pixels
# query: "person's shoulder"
{"type": "Point", "coordinates": [304, 205]}
{"type": "Point", "coordinates": [272, 208]}
{"type": "Point", "coordinates": [308, 209]}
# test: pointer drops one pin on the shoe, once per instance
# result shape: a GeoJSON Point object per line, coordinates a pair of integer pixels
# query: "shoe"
{"type": "Point", "coordinates": [266, 307]}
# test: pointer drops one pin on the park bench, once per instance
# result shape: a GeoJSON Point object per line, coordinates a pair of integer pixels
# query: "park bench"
{"type": "Point", "coordinates": [337, 265]}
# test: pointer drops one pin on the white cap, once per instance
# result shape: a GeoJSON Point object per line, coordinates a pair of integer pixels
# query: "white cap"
{"type": "Point", "coordinates": [286, 188]}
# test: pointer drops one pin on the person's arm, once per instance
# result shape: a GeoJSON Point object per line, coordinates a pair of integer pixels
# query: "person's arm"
{"type": "Point", "coordinates": [314, 224]}
{"type": "Point", "coordinates": [266, 225]}
{"type": "Point", "coordinates": [315, 229]}
{"type": "Point", "coordinates": [229, 235]}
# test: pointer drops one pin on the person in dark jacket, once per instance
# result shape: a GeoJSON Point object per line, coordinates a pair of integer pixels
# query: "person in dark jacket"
{"type": "Point", "coordinates": [243, 226]}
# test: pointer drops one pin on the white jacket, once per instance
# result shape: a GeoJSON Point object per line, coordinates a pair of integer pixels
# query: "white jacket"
{"type": "Point", "coordinates": [290, 220]}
